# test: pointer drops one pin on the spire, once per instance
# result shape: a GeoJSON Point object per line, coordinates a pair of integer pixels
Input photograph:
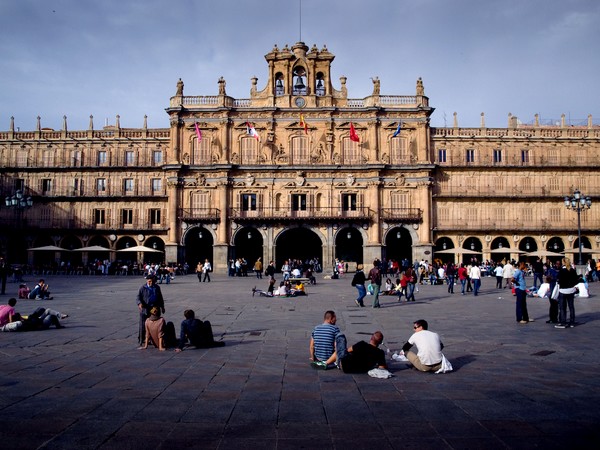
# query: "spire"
{"type": "Point", "coordinates": [64, 123]}
{"type": "Point", "coordinates": [145, 122]}
{"type": "Point", "coordinates": [12, 123]}
{"type": "Point", "coordinates": [91, 125]}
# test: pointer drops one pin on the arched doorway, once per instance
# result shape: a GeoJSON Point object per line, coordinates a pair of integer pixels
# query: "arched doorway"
{"type": "Point", "coordinates": [444, 250]}
{"type": "Point", "coordinates": [349, 245]}
{"type": "Point", "coordinates": [586, 251]}
{"type": "Point", "coordinates": [248, 245]}
{"type": "Point", "coordinates": [398, 245]}
{"type": "Point", "coordinates": [198, 246]}
{"type": "Point", "coordinates": [298, 243]}
{"type": "Point", "coordinates": [474, 248]}
{"type": "Point", "coordinates": [500, 249]}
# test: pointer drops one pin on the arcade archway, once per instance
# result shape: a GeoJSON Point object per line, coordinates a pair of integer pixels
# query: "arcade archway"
{"type": "Point", "coordinates": [298, 243]}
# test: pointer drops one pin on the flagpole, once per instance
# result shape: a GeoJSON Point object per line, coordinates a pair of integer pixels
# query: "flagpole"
{"type": "Point", "coordinates": [300, 14]}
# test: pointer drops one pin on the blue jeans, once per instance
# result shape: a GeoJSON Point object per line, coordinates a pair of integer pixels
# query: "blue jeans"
{"type": "Point", "coordinates": [451, 284]}
{"type": "Point", "coordinates": [410, 292]}
{"type": "Point", "coordinates": [565, 300]}
{"type": "Point", "coordinates": [341, 346]}
{"type": "Point", "coordinates": [463, 284]}
{"type": "Point", "coordinates": [538, 276]}
{"type": "Point", "coordinates": [476, 285]}
{"type": "Point", "coordinates": [522, 305]}
{"type": "Point", "coordinates": [362, 292]}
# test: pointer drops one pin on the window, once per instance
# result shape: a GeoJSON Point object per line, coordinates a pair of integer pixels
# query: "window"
{"type": "Point", "coordinates": [46, 186]}
{"type": "Point", "coordinates": [76, 158]}
{"type": "Point", "coordinates": [472, 215]}
{"type": "Point", "coordinates": [350, 152]}
{"type": "Point", "coordinates": [249, 150]}
{"type": "Point", "coordinates": [499, 214]}
{"type": "Point", "coordinates": [129, 158]}
{"type": "Point", "coordinates": [19, 184]}
{"type": "Point", "coordinates": [525, 157]}
{"type": "Point", "coordinates": [470, 155]}
{"type": "Point", "coordinates": [298, 202]}
{"type": "Point", "coordinates": [102, 158]}
{"type": "Point", "coordinates": [100, 185]}
{"type": "Point", "coordinates": [553, 156]}
{"type": "Point", "coordinates": [128, 186]}
{"type": "Point", "coordinates": [554, 215]}
{"type": "Point", "coordinates": [498, 184]}
{"type": "Point", "coordinates": [497, 156]}
{"type": "Point", "coordinates": [157, 157]}
{"type": "Point", "coordinates": [349, 202]}
{"type": "Point", "coordinates": [527, 216]}
{"type": "Point", "coordinates": [127, 216]}
{"type": "Point", "coordinates": [202, 154]}
{"type": "Point", "coordinates": [279, 88]}
{"type": "Point", "coordinates": [248, 202]}
{"type": "Point", "coordinates": [553, 183]}
{"type": "Point", "coordinates": [398, 151]}
{"type": "Point", "coordinates": [299, 79]}
{"type": "Point", "coordinates": [156, 185]}
{"type": "Point", "coordinates": [48, 158]}
{"type": "Point", "coordinates": [526, 184]}
{"type": "Point", "coordinates": [444, 215]}
{"type": "Point", "coordinates": [300, 150]}
{"type": "Point", "coordinates": [77, 186]}
{"type": "Point", "coordinates": [99, 216]}
{"type": "Point", "coordinates": [22, 158]}
{"type": "Point", "coordinates": [400, 200]}
{"type": "Point", "coordinates": [442, 155]}
{"type": "Point", "coordinates": [155, 216]}
{"type": "Point", "coordinates": [200, 202]}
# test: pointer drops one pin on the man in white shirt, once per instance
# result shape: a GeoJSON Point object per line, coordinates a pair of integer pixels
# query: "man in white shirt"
{"type": "Point", "coordinates": [475, 275]}
{"type": "Point", "coordinates": [429, 355]}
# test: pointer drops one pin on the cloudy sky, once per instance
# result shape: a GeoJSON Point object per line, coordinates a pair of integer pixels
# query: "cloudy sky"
{"type": "Point", "coordinates": [108, 57]}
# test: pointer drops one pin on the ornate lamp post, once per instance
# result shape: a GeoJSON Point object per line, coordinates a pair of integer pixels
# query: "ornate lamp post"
{"type": "Point", "coordinates": [18, 200]}
{"type": "Point", "coordinates": [578, 202]}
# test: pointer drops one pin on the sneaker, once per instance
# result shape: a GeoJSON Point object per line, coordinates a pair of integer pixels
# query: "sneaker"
{"type": "Point", "coordinates": [64, 316]}
{"type": "Point", "coordinates": [531, 320]}
{"type": "Point", "coordinates": [551, 321]}
{"type": "Point", "coordinates": [523, 321]}
{"type": "Point", "coordinates": [357, 304]}
{"type": "Point", "coordinates": [571, 325]}
{"type": "Point", "coordinates": [560, 325]}
{"type": "Point", "coordinates": [319, 365]}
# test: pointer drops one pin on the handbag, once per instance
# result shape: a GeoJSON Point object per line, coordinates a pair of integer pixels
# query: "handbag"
{"type": "Point", "coordinates": [555, 292]}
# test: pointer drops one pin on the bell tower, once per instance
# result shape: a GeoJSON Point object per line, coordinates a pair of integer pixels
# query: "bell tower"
{"type": "Point", "coordinates": [298, 76]}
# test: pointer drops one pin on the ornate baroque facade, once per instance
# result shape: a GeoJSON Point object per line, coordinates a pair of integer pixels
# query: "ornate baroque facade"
{"type": "Point", "coordinates": [301, 187]}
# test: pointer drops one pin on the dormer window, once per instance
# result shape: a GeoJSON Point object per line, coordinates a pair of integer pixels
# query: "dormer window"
{"type": "Point", "coordinates": [320, 87]}
{"type": "Point", "coordinates": [299, 81]}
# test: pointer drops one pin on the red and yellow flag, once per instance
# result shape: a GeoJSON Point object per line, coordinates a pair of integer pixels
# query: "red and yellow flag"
{"type": "Point", "coordinates": [303, 124]}
{"type": "Point", "coordinates": [353, 136]}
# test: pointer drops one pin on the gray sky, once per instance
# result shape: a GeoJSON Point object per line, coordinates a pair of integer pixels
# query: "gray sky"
{"type": "Point", "coordinates": [108, 57]}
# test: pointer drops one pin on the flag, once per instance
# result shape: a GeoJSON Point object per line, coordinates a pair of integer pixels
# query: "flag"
{"type": "Point", "coordinates": [198, 132]}
{"type": "Point", "coordinates": [397, 132]}
{"type": "Point", "coordinates": [303, 124]}
{"type": "Point", "coordinates": [353, 136]}
{"type": "Point", "coordinates": [250, 130]}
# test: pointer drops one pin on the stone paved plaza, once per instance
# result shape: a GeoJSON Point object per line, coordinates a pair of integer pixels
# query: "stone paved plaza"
{"type": "Point", "coordinates": [88, 386]}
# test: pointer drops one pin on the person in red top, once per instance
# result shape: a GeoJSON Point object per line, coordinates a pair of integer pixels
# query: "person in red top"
{"type": "Point", "coordinates": [462, 276]}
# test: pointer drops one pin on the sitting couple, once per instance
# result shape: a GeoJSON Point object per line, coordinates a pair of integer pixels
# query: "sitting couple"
{"type": "Point", "coordinates": [328, 346]}
{"type": "Point", "coordinates": [196, 332]}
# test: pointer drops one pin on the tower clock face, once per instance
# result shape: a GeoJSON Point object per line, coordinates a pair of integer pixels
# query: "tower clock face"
{"type": "Point", "coordinates": [300, 102]}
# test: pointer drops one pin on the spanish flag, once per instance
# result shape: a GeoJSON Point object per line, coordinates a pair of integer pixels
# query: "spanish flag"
{"type": "Point", "coordinates": [303, 124]}
{"type": "Point", "coordinates": [251, 131]}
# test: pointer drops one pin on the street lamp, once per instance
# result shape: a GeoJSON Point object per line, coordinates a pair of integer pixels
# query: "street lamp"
{"type": "Point", "coordinates": [18, 200]}
{"type": "Point", "coordinates": [578, 202]}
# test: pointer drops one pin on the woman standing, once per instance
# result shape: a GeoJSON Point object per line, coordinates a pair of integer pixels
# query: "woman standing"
{"type": "Point", "coordinates": [567, 280]}
{"type": "Point", "coordinates": [521, 291]}
{"type": "Point", "coordinates": [358, 281]}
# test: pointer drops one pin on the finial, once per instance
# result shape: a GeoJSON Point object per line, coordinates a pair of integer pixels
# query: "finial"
{"type": "Point", "coordinates": [482, 120]}
{"type": "Point", "coordinates": [145, 122]}
{"type": "Point", "coordinates": [91, 125]}
{"type": "Point", "coordinates": [64, 123]}
{"type": "Point", "coordinates": [118, 122]}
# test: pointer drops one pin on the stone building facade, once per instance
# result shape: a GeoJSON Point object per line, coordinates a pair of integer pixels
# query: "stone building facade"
{"type": "Point", "coordinates": [298, 170]}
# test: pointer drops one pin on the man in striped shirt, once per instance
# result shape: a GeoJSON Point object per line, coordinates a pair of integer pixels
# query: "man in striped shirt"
{"type": "Point", "coordinates": [322, 342]}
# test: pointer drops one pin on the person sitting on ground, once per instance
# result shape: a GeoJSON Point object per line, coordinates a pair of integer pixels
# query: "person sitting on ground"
{"type": "Point", "coordinates": [388, 287]}
{"type": "Point", "coordinates": [40, 291]}
{"type": "Point", "coordinates": [23, 291]}
{"type": "Point", "coordinates": [268, 292]}
{"type": "Point", "coordinates": [322, 342]}
{"type": "Point", "coordinates": [362, 356]}
{"type": "Point", "coordinates": [8, 317]}
{"type": "Point", "coordinates": [297, 289]}
{"type": "Point", "coordinates": [283, 290]}
{"type": "Point", "coordinates": [296, 273]}
{"type": "Point", "coordinates": [311, 278]}
{"type": "Point", "coordinates": [429, 345]}
{"type": "Point", "coordinates": [197, 332]}
{"type": "Point", "coordinates": [155, 330]}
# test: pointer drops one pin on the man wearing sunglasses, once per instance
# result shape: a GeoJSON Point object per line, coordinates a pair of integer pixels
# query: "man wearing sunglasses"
{"type": "Point", "coordinates": [429, 355]}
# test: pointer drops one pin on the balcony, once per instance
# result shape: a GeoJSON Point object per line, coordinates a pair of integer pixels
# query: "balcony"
{"type": "Point", "coordinates": [199, 215]}
{"type": "Point", "coordinates": [302, 215]}
{"type": "Point", "coordinates": [403, 215]}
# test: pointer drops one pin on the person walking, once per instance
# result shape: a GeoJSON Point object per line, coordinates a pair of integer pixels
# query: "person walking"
{"type": "Point", "coordinates": [475, 276]}
{"type": "Point", "coordinates": [358, 281]}
{"type": "Point", "coordinates": [206, 270]}
{"type": "Point", "coordinates": [375, 278]}
{"type": "Point", "coordinates": [258, 268]}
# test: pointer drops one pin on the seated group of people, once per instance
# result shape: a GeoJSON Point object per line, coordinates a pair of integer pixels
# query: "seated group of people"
{"type": "Point", "coordinates": [40, 319]}
{"type": "Point", "coordinates": [39, 292]}
{"type": "Point", "coordinates": [328, 348]}
{"type": "Point", "coordinates": [285, 289]}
